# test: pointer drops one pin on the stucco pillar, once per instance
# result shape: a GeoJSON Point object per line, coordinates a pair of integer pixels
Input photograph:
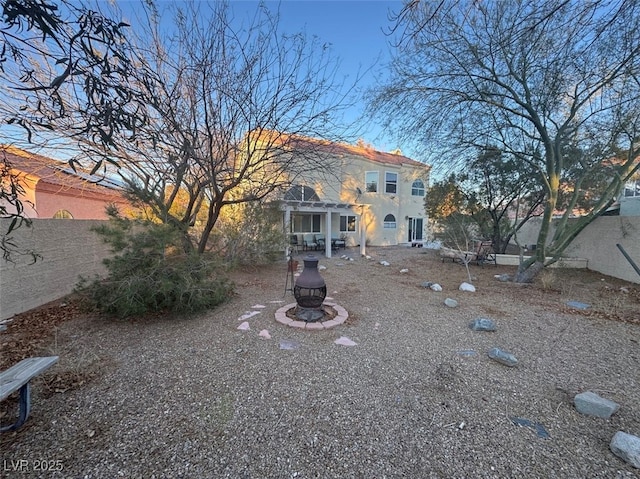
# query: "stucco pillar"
{"type": "Point", "coordinates": [287, 230]}
{"type": "Point", "coordinates": [363, 233]}
{"type": "Point", "coordinates": [327, 235]}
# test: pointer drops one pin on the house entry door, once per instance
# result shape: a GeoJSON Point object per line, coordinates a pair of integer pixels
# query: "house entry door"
{"type": "Point", "coordinates": [415, 229]}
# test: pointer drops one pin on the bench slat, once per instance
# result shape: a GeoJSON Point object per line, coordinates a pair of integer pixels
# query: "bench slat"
{"type": "Point", "coordinates": [20, 374]}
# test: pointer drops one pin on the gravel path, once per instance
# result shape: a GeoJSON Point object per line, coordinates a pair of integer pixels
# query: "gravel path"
{"type": "Point", "coordinates": [197, 398]}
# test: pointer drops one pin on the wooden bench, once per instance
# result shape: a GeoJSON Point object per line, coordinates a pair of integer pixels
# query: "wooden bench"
{"type": "Point", "coordinates": [18, 377]}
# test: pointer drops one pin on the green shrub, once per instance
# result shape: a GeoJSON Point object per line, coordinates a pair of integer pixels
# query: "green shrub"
{"type": "Point", "coordinates": [249, 234]}
{"type": "Point", "coordinates": [150, 272]}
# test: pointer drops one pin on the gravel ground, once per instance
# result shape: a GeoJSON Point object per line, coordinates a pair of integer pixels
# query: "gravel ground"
{"type": "Point", "coordinates": [198, 398]}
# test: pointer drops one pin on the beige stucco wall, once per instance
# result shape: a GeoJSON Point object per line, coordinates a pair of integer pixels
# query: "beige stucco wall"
{"type": "Point", "coordinates": [379, 204]}
{"type": "Point", "coordinates": [68, 249]}
{"type": "Point", "coordinates": [597, 243]}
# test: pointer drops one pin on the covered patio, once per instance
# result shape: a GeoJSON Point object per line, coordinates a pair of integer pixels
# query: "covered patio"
{"type": "Point", "coordinates": [332, 221]}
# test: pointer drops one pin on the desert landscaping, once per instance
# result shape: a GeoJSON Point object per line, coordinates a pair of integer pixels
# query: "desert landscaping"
{"type": "Point", "coordinates": [416, 396]}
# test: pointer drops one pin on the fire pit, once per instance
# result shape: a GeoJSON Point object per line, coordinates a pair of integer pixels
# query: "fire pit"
{"type": "Point", "coordinates": [310, 291]}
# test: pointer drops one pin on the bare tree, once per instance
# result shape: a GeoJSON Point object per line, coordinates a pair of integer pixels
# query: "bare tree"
{"type": "Point", "coordinates": [554, 84]}
{"type": "Point", "coordinates": [231, 108]}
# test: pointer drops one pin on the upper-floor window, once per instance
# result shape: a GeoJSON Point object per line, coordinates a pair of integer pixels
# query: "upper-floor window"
{"type": "Point", "coordinates": [301, 193]}
{"type": "Point", "coordinates": [632, 189]}
{"type": "Point", "coordinates": [417, 188]}
{"type": "Point", "coordinates": [347, 223]}
{"type": "Point", "coordinates": [390, 182]}
{"type": "Point", "coordinates": [389, 221]}
{"type": "Point", "coordinates": [371, 181]}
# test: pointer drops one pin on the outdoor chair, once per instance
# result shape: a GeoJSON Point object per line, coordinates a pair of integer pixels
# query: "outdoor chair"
{"type": "Point", "coordinates": [320, 242]}
{"type": "Point", "coordinates": [308, 242]}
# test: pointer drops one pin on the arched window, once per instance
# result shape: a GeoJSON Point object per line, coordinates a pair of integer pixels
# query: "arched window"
{"type": "Point", "coordinates": [63, 215]}
{"type": "Point", "coordinates": [417, 188]}
{"type": "Point", "coordinates": [301, 193]}
{"type": "Point", "coordinates": [390, 221]}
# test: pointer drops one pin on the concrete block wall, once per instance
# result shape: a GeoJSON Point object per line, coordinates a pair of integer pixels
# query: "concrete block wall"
{"type": "Point", "coordinates": [68, 249]}
{"type": "Point", "coordinates": [597, 243]}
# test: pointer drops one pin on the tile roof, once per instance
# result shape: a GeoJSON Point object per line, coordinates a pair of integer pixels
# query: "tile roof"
{"type": "Point", "coordinates": [56, 173]}
{"type": "Point", "coordinates": [338, 149]}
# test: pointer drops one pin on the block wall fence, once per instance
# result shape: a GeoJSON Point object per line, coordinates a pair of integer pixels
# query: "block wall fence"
{"type": "Point", "coordinates": [70, 249]}
{"type": "Point", "coordinates": [597, 244]}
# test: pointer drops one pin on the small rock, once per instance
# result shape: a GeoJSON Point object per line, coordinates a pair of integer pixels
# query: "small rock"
{"type": "Point", "coordinates": [322, 267]}
{"type": "Point", "coordinates": [368, 257]}
{"type": "Point", "coordinates": [503, 357]}
{"type": "Point", "coordinates": [593, 405]}
{"type": "Point", "coordinates": [483, 324]}
{"type": "Point", "coordinates": [452, 303]}
{"type": "Point", "coordinates": [247, 315]}
{"type": "Point", "coordinates": [344, 341]}
{"type": "Point", "coordinates": [578, 305]}
{"type": "Point", "coordinates": [503, 277]}
{"type": "Point", "coordinates": [626, 447]}
{"type": "Point", "coordinates": [264, 334]}
{"type": "Point", "coordinates": [385, 263]}
{"type": "Point", "coordinates": [426, 284]}
{"type": "Point", "coordinates": [404, 270]}
{"type": "Point", "coordinates": [258, 306]}
{"type": "Point", "coordinates": [467, 287]}
{"type": "Point", "coordinates": [624, 289]}
{"type": "Point", "coordinates": [244, 326]}
{"type": "Point", "coordinates": [436, 287]}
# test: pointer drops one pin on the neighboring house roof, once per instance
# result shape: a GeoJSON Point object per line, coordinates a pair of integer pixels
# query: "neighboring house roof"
{"type": "Point", "coordinates": [58, 177]}
{"type": "Point", "coordinates": [299, 142]}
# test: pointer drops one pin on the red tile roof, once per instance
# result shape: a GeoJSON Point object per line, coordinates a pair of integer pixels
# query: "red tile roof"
{"type": "Point", "coordinates": [338, 149]}
{"type": "Point", "coordinates": [56, 173]}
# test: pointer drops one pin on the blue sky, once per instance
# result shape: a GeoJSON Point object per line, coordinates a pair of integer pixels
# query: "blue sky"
{"type": "Point", "coordinates": [356, 30]}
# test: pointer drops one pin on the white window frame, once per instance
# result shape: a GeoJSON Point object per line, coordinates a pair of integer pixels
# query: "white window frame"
{"type": "Point", "coordinates": [350, 226]}
{"type": "Point", "coordinates": [388, 183]}
{"type": "Point", "coordinates": [632, 189]}
{"type": "Point", "coordinates": [367, 181]}
{"type": "Point", "coordinates": [417, 190]}
{"type": "Point", "coordinates": [388, 224]}
{"type": "Point", "coordinates": [306, 223]}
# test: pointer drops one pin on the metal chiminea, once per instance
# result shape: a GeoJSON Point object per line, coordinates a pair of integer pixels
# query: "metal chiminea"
{"type": "Point", "coordinates": [310, 291]}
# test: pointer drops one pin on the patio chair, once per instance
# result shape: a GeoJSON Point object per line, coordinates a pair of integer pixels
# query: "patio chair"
{"type": "Point", "coordinates": [308, 242]}
{"type": "Point", "coordinates": [320, 242]}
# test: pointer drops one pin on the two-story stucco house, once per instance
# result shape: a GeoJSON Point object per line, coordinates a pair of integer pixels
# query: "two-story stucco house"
{"type": "Point", "coordinates": [372, 198]}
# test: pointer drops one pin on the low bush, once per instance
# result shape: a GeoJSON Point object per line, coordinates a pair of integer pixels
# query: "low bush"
{"type": "Point", "coordinates": [150, 272]}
